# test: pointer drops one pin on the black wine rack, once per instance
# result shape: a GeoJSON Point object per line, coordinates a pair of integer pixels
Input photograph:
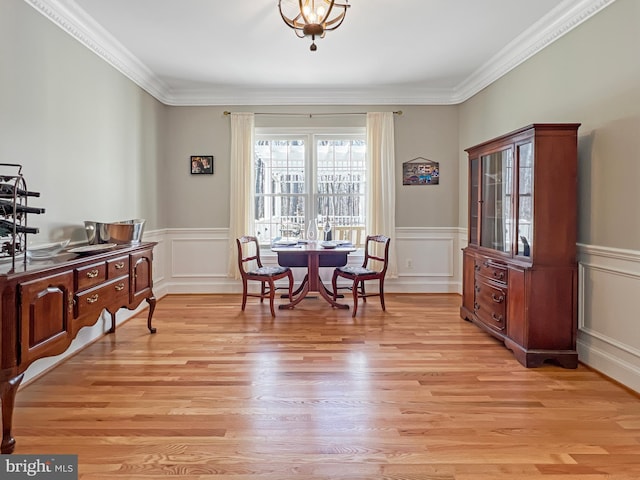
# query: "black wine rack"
{"type": "Point", "coordinates": [14, 210]}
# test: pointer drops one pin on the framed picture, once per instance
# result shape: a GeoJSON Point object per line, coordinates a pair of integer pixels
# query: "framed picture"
{"type": "Point", "coordinates": [420, 171]}
{"type": "Point", "coordinates": [202, 164]}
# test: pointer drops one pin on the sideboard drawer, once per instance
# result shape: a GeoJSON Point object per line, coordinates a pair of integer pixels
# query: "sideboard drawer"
{"type": "Point", "coordinates": [117, 267]}
{"type": "Point", "coordinates": [90, 275]}
{"type": "Point", "coordinates": [94, 300]}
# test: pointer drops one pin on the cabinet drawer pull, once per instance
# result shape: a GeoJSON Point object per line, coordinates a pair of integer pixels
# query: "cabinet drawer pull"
{"type": "Point", "coordinates": [92, 273]}
{"type": "Point", "coordinates": [476, 307]}
{"type": "Point", "coordinates": [497, 318]}
{"type": "Point", "coordinates": [93, 298]}
{"type": "Point", "coordinates": [477, 267]}
{"type": "Point", "coordinates": [497, 298]}
{"type": "Point", "coordinates": [119, 265]}
{"type": "Point", "coordinates": [477, 288]}
{"type": "Point", "coordinates": [119, 287]}
{"type": "Point", "coordinates": [499, 275]}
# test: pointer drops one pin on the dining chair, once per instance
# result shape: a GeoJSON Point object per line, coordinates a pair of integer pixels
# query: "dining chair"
{"type": "Point", "coordinates": [374, 267]}
{"type": "Point", "coordinates": [251, 268]}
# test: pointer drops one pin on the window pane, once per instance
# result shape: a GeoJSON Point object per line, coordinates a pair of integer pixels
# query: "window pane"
{"type": "Point", "coordinates": [341, 186]}
{"type": "Point", "coordinates": [279, 187]}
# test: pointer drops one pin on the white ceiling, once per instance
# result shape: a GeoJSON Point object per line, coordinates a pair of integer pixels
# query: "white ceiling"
{"type": "Point", "coordinates": [240, 52]}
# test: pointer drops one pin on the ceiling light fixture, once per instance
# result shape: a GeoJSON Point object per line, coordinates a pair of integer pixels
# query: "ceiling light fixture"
{"type": "Point", "coordinates": [313, 17]}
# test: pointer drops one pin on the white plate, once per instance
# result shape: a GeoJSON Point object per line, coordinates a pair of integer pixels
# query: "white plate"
{"type": "Point", "coordinates": [285, 243]}
{"type": "Point", "coordinates": [101, 247]}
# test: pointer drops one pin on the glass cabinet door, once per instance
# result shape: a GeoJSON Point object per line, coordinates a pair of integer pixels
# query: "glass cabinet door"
{"type": "Point", "coordinates": [474, 201]}
{"type": "Point", "coordinates": [525, 199]}
{"type": "Point", "coordinates": [496, 225]}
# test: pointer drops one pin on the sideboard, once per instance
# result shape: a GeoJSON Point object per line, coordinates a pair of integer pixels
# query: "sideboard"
{"type": "Point", "coordinates": [45, 303]}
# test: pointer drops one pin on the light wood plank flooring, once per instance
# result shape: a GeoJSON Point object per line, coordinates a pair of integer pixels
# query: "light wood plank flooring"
{"type": "Point", "coordinates": [413, 393]}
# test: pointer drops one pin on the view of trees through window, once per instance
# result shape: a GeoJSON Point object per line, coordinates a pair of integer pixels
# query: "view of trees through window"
{"type": "Point", "coordinates": [307, 178]}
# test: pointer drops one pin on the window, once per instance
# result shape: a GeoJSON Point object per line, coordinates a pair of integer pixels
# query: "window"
{"type": "Point", "coordinates": [307, 176]}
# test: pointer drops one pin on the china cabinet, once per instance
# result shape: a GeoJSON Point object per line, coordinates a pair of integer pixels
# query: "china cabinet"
{"type": "Point", "coordinates": [519, 268]}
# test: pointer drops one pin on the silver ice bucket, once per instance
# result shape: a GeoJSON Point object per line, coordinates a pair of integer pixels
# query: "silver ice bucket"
{"type": "Point", "coordinates": [126, 231]}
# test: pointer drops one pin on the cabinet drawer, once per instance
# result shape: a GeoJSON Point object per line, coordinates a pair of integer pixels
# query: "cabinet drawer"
{"type": "Point", "coordinates": [90, 275]}
{"type": "Point", "coordinates": [491, 269]}
{"type": "Point", "coordinates": [117, 267]}
{"type": "Point", "coordinates": [491, 304]}
{"type": "Point", "coordinates": [94, 300]}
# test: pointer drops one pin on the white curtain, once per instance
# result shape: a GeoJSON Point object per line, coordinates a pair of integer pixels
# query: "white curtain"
{"type": "Point", "coordinates": [381, 191]}
{"type": "Point", "coordinates": [241, 206]}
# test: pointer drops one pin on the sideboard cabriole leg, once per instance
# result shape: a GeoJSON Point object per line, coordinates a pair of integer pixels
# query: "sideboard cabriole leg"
{"type": "Point", "coordinates": [7, 397]}
{"type": "Point", "coordinates": [113, 322]}
{"type": "Point", "coordinates": [152, 306]}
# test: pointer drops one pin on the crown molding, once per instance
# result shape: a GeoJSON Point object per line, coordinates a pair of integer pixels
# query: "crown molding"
{"type": "Point", "coordinates": [67, 15]}
{"type": "Point", "coordinates": [390, 95]}
{"type": "Point", "coordinates": [559, 21]}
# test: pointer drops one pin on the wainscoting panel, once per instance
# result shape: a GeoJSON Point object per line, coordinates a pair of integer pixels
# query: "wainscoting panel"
{"type": "Point", "coordinates": [608, 322]}
{"type": "Point", "coordinates": [195, 261]}
{"type": "Point", "coordinates": [429, 261]}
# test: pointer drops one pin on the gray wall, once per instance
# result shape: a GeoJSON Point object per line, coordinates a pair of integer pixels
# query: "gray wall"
{"type": "Point", "coordinates": [193, 201]}
{"type": "Point", "coordinates": [89, 139]}
{"type": "Point", "coordinates": [590, 76]}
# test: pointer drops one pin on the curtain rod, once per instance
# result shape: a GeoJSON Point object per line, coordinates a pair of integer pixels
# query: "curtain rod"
{"type": "Point", "coordinates": [310, 115]}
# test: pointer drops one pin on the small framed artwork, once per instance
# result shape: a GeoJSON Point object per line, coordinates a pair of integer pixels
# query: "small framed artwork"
{"type": "Point", "coordinates": [202, 164]}
{"type": "Point", "coordinates": [420, 171]}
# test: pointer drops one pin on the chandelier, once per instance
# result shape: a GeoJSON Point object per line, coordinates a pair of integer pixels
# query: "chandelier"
{"type": "Point", "coordinates": [313, 17]}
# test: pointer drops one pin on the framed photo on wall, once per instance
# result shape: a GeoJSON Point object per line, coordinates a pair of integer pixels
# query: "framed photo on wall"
{"type": "Point", "coordinates": [201, 164]}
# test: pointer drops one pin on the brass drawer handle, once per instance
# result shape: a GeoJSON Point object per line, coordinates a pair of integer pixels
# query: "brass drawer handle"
{"type": "Point", "coordinates": [498, 275]}
{"type": "Point", "coordinates": [497, 298]}
{"type": "Point", "coordinates": [119, 265]}
{"type": "Point", "coordinates": [92, 273]}
{"type": "Point", "coordinates": [476, 307]}
{"type": "Point", "coordinates": [497, 318]}
{"type": "Point", "coordinates": [119, 287]}
{"type": "Point", "coordinates": [92, 298]}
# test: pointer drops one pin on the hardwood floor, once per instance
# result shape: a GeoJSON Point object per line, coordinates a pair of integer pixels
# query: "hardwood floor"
{"type": "Point", "coordinates": [413, 393]}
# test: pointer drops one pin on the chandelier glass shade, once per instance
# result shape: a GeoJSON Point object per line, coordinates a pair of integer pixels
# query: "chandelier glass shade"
{"type": "Point", "coordinates": [313, 18]}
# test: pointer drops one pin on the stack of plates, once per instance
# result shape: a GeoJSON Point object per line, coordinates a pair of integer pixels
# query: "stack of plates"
{"type": "Point", "coordinates": [46, 251]}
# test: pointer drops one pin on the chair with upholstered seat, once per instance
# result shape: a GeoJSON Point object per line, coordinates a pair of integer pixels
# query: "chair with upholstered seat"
{"type": "Point", "coordinates": [374, 267]}
{"type": "Point", "coordinates": [251, 268]}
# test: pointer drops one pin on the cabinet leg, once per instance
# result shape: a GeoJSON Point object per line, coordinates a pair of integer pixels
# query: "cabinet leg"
{"type": "Point", "coordinates": [7, 397]}
{"type": "Point", "coordinates": [152, 306]}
